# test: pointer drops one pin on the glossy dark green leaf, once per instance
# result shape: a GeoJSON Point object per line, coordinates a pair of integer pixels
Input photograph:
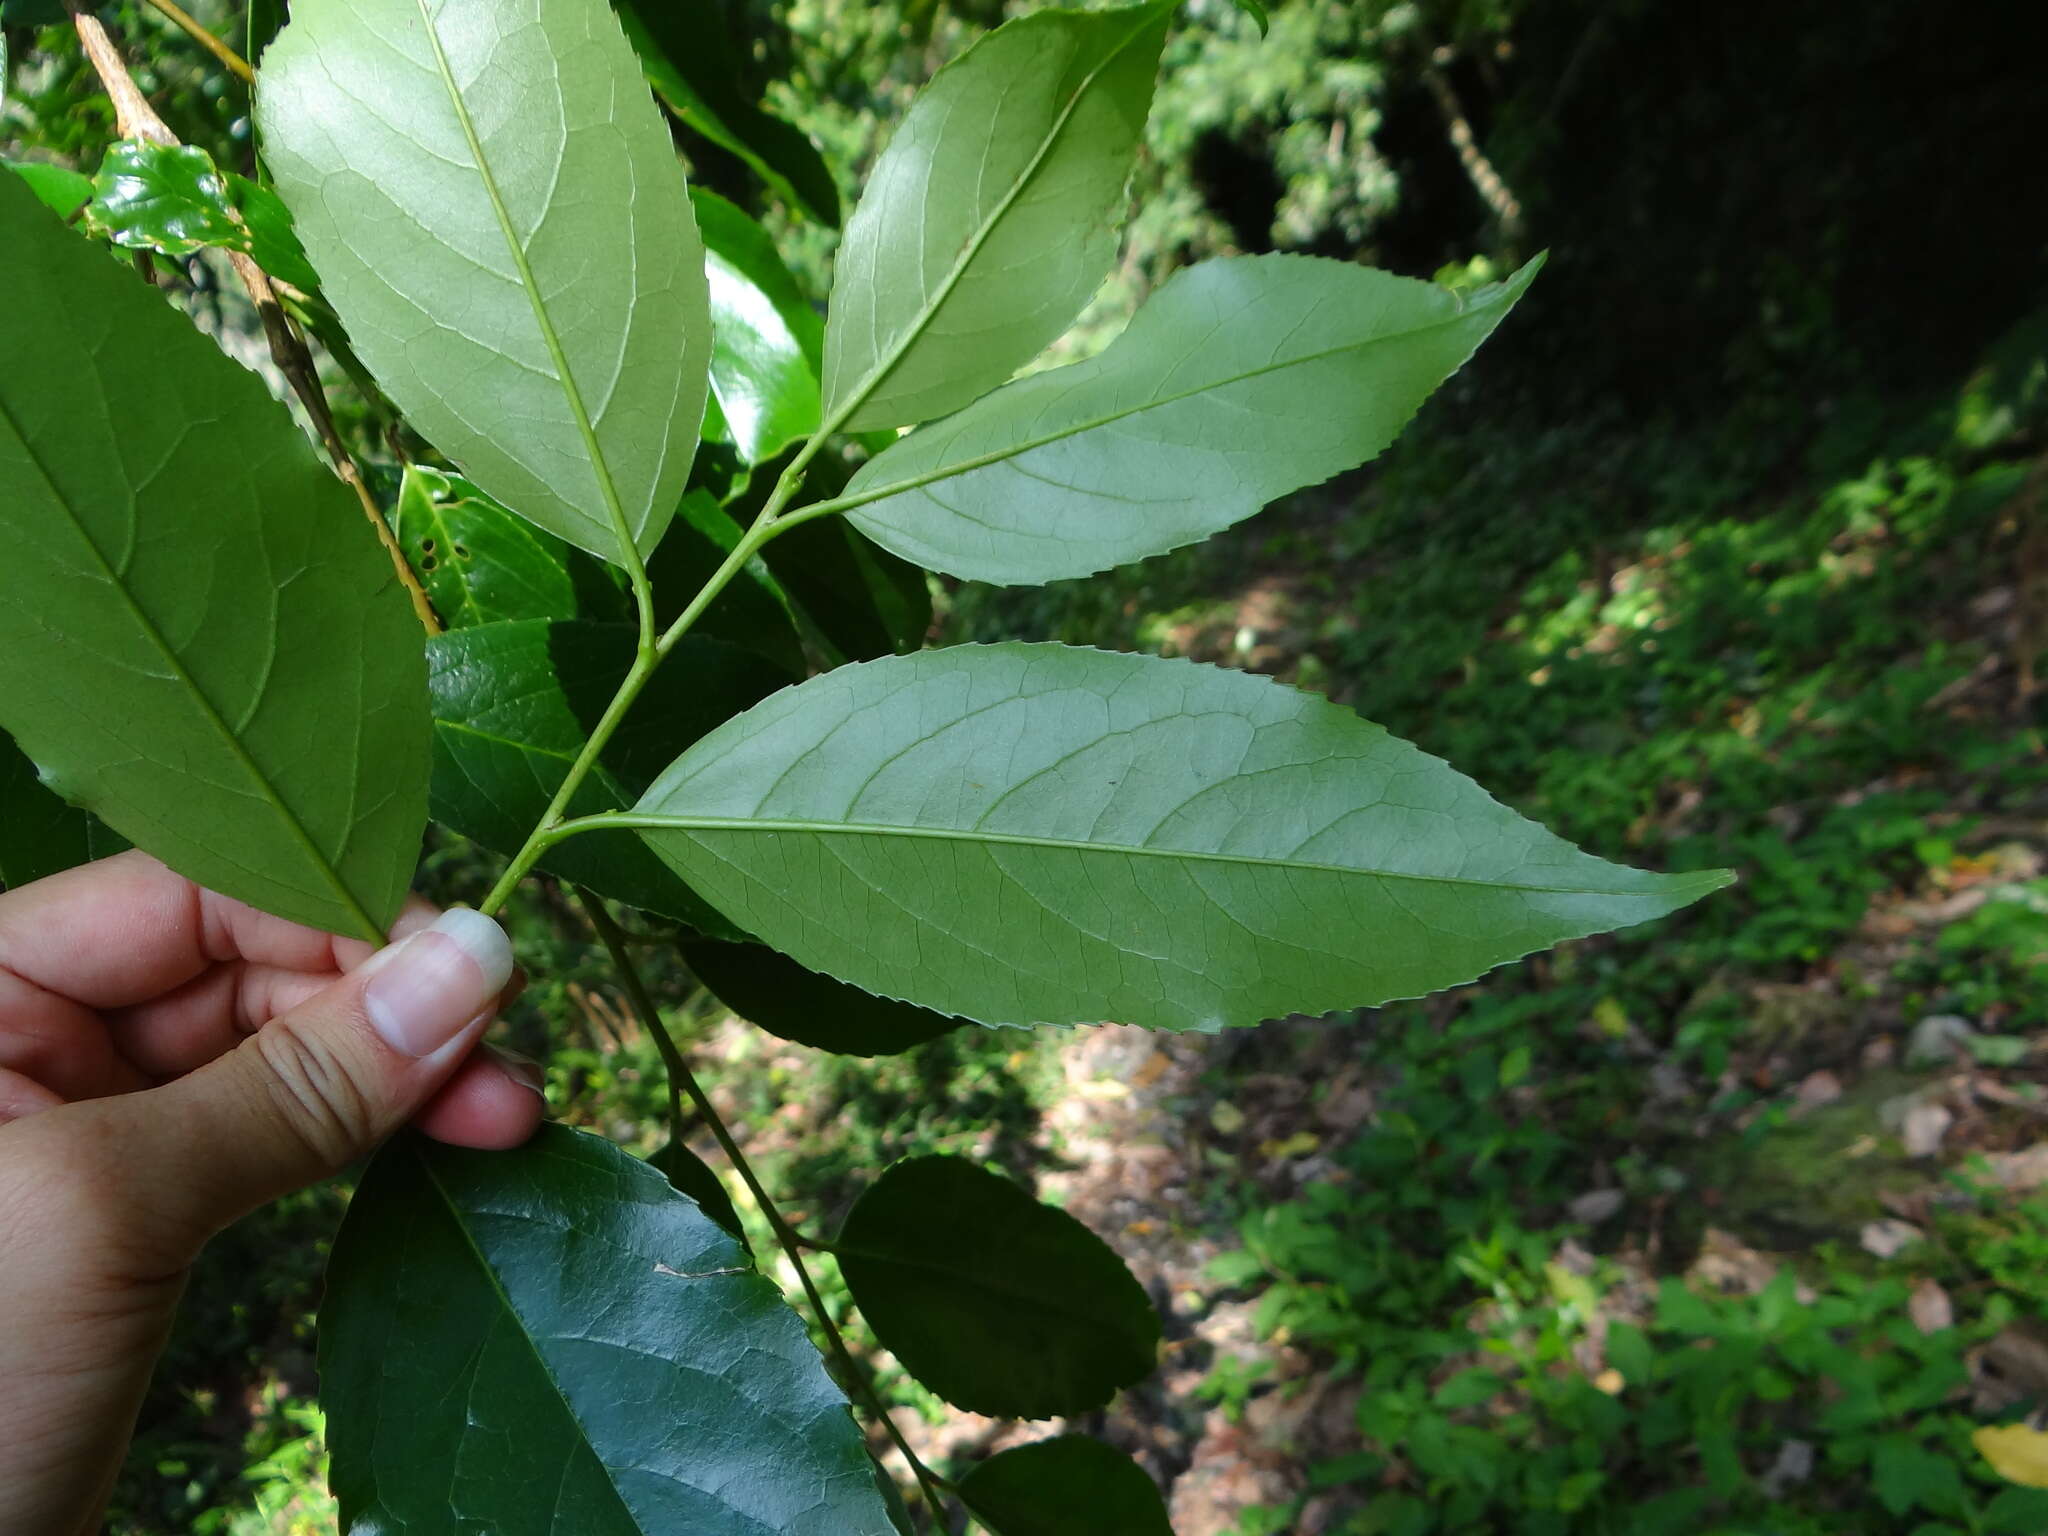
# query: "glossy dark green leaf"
{"type": "Point", "coordinates": [1072, 1486]}
{"type": "Point", "coordinates": [685, 48]}
{"type": "Point", "coordinates": [514, 703]}
{"type": "Point", "coordinates": [774, 992]}
{"type": "Point", "coordinates": [553, 1342]}
{"type": "Point", "coordinates": [730, 235]}
{"type": "Point", "coordinates": [39, 834]}
{"type": "Point", "coordinates": [692, 1176]}
{"type": "Point", "coordinates": [273, 238]}
{"type": "Point", "coordinates": [261, 21]}
{"type": "Point", "coordinates": [173, 198]}
{"type": "Point", "coordinates": [34, 13]}
{"type": "Point", "coordinates": [201, 641]}
{"type": "Point", "coordinates": [753, 611]}
{"type": "Point", "coordinates": [163, 197]}
{"type": "Point", "coordinates": [766, 391]}
{"type": "Point", "coordinates": [1040, 834]}
{"type": "Point", "coordinates": [999, 1304]}
{"type": "Point", "coordinates": [862, 600]}
{"type": "Point", "coordinates": [499, 219]}
{"type": "Point", "coordinates": [991, 218]}
{"type": "Point", "coordinates": [481, 564]}
{"type": "Point", "coordinates": [1240, 381]}
{"type": "Point", "coordinates": [61, 191]}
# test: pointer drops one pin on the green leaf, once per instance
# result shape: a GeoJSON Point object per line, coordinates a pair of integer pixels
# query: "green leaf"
{"type": "Point", "coordinates": [686, 51]}
{"type": "Point", "coordinates": [1072, 1486]}
{"type": "Point", "coordinates": [515, 702]}
{"type": "Point", "coordinates": [201, 641]}
{"type": "Point", "coordinates": [496, 209]}
{"type": "Point", "coordinates": [39, 834]}
{"type": "Point", "coordinates": [61, 191]}
{"type": "Point", "coordinates": [273, 238]}
{"type": "Point", "coordinates": [774, 992]}
{"type": "Point", "coordinates": [260, 25]}
{"type": "Point", "coordinates": [991, 218]}
{"type": "Point", "coordinates": [34, 13]}
{"type": "Point", "coordinates": [753, 611]}
{"type": "Point", "coordinates": [1240, 381]}
{"type": "Point", "coordinates": [1257, 12]}
{"type": "Point", "coordinates": [692, 1176]}
{"type": "Point", "coordinates": [1032, 833]}
{"type": "Point", "coordinates": [163, 197]}
{"type": "Point", "coordinates": [740, 241]}
{"type": "Point", "coordinates": [173, 198]}
{"type": "Point", "coordinates": [862, 601]}
{"type": "Point", "coordinates": [999, 1304]}
{"type": "Point", "coordinates": [481, 564]}
{"type": "Point", "coordinates": [552, 1340]}
{"type": "Point", "coordinates": [766, 391]}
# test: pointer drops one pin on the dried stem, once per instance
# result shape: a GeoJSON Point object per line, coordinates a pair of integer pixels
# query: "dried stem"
{"type": "Point", "coordinates": [135, 118]}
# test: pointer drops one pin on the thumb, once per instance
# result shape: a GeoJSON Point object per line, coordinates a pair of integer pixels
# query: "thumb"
{"type": "Point", "coordinates": [318, 1087]}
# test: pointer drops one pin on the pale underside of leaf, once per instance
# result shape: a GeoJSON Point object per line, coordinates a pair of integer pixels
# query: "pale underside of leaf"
{"type": "Point", "coordinates": [990, 219]}
{"type": "Point", "coordinates": [1241, 380]}
{"type": "Point", "coordinates": [1036, 834]}
{"type": "Point", "coordinates": [499, 218]}
{"type": "Point", "coordinates": [205, 648]}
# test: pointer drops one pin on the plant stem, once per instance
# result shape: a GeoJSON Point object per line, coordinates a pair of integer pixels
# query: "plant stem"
{"type": "Point", "coordinates": [236, 65]}
{"type": "Point", "coordinates": [791, 1243]}
{"type": "Point", "coordinates": [135, 118]}
{"type": "Point", "coordinates": [548, 830]}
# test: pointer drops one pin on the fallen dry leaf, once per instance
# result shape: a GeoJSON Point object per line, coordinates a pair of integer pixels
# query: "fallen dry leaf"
{"type": "Point", "coordinates": [1930, 1308]}
{"type": "Point", "coordinates": [2016, 1453]}
{"type": "Point", "coordinates": [1885, 1238]}
{"type": "Point", "coordinates": [2020, 1170]}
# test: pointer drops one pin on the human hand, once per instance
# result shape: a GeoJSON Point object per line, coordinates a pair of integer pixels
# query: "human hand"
{"type": "Point", "coordinates": [170, 1060]}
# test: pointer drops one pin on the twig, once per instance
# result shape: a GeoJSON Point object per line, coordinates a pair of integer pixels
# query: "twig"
{"type": "Point", "coordinates": [235, 63]}
{"type": "Point", "coordinates": [792, 1244]}
{"type": "Point", "coordinates": [135, 118]}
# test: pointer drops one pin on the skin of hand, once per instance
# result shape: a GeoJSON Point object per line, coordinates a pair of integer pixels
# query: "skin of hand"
{"type": "Point", "coordinates": [170, 1060]}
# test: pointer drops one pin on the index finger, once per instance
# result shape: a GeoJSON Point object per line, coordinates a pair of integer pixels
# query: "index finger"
{"type": "Point", "coordinates": [127, 929]}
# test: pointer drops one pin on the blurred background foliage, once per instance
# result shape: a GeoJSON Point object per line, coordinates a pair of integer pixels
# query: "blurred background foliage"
{"type": "Point", "coordinates": [1729, 549]}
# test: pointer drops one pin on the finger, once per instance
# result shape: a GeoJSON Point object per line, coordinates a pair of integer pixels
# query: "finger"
{"type": "Point", "coordinates": [123, 930]}
{"type": "Point", "coordinates": [312, 1091]}
{"type": "Point", "coordinates": [59, 1043]}
{"type": "Point", "coordinates": [213, 1013]}
{"type": "Point", "coordinates": [209, 1016]}
{"type": "Point", "coordinates": [492, 1102]}
{"type": "Point", "coordinates": [22, 1096]}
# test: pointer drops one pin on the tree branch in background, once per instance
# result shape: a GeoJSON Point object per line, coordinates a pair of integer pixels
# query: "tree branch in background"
{"type": "Point", "coordinates": [1487, 181]}
{"type": "Point", "coordinates": [234, 63]}
{"type": "Point", "coordinates": [680, 1075]}
{"type": "Point", "coordinates": [135, 118]}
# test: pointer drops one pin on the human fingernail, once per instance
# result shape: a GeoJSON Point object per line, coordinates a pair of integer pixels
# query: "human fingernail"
{"type": "Point", "coordinates": [521, 1068]}
{"type": "Point", "coordinates": [424, 990]}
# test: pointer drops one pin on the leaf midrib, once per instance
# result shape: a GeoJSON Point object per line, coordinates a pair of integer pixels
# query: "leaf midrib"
{"type": "Point", "coordinates": [866, 496]}
{"type": "Point", "coordinates": [600, 469]}
{"type": "Point", "coordinates": [208, 710]}
{"type": "Point", "coordinates": [655, 821]}
{"type": "Point", "coordinates": [883, 367]}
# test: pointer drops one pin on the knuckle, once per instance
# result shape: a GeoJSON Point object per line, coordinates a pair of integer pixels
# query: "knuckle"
{"type": "Point", "coordinates": [318, 1102]}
